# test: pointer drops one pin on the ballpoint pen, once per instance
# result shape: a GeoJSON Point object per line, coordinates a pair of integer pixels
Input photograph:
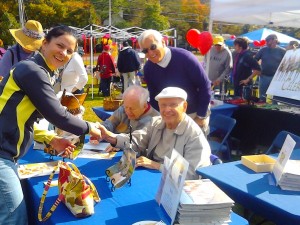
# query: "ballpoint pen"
{"type": "Point", "coordinates": [61, 153]}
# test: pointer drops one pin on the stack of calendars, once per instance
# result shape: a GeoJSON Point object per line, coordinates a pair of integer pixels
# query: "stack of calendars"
{"type": "Point", "coordinates": [290, 177]}
{"type": "Point", "coordinates": [203, 203]}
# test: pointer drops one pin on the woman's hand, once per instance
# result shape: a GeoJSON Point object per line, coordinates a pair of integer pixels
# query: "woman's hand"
{"type": "Point", "coordinates": [63, 146]}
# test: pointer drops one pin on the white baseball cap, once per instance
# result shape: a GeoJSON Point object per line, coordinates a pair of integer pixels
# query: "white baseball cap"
{"type": "Point", "coordinates": [172, 92]}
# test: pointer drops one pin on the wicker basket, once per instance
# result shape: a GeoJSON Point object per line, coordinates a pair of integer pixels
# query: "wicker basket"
{"type": "Point", "coordinates": [111, 103]}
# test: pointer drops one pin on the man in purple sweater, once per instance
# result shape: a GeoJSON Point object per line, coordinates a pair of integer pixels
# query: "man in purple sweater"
{"type": "Point", "coordinates": [167, 67]}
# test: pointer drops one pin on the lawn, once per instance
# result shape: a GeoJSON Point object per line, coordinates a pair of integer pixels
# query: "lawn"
{"type": "Point", "coordinates": [91, 101]}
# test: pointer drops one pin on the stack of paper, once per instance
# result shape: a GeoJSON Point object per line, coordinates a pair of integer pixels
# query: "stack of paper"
{"type": "Point", "coordinates": [203, 203]}
{"type": "Point", "coordinates": [36, 169]}
{"type": "Point", "coordinates": [290, 178]}
{"type": "Point", "coordinates": [285, 170]}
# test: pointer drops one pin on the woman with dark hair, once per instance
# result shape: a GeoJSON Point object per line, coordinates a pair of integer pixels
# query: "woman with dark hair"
{"type": "Point", "coordinates": [27, 95]}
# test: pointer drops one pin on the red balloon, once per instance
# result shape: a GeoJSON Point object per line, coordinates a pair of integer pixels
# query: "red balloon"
{"type": "Point", "coordinates": [205, 42]}
{"type": "Point", "coordinates": [256, 43]}
{"type": "Point", "coordinates": [232, 37]}
{"type": "Point", "coordinates": [192, 37]}
{"type": "Point", "coordinates": [262, 42]}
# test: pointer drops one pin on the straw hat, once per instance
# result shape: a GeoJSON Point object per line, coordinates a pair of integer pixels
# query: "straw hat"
{"type": "Point", "coordinates": [30, 36]}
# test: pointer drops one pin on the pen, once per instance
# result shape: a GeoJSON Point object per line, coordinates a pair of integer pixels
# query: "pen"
{"type": "Point", "coordinates": [61, 153]}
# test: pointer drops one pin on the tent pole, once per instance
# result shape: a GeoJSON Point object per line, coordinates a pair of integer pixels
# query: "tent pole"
{"type": "Point", "coordinates": [92, 59]}
{"type": "Point", "coordinates": [175, 38]}
{"type": "Point", "coordinates": [210, 25]}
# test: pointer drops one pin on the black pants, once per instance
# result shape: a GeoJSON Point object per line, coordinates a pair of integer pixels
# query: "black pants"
{"type": "Point", "coordinates": [105, 86]}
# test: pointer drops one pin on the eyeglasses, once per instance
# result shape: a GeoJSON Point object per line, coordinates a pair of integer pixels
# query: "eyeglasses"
{"type": "Point", "coordinates": [152, 48]}
{"type": "Point", "coordinates": [172, 105]}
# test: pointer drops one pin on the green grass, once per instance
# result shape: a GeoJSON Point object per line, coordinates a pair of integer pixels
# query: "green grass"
{"type": "Point", "coordinates": [92, 100]}
{"type": "Point", "coordinates": [89, 103]}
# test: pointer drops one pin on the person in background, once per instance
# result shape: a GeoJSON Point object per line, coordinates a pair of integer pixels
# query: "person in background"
{"type": "Point", "coordinates": [168, 66]}
{"type": "Point", "coordinates": [135, 111]}
{"type": "Point", "coordinates": [27, 95]}
{"type": "Point", "coordinates": [29, 39]}
{"type": "Point", "coordinates": [172, 130]}
{"type": "Point", "coordinates": [74, 76]}
{"type": "Point", "coordinates": [106, 67]}
{"type": "Point", "coordinates": [270, 57]}
{"type": "Point", "coordinates": [2, 50]}
{"type": "Point", "coordinates": [220, 63]}
{"type": "Point", "coordinates": [128, 64]}
{"type": "Point", "coordinates": [292, 45]}
{"type": "Point", "coordinates": [245, 67]}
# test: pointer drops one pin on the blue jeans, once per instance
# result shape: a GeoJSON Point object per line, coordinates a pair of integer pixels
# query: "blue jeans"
{"type": "Point", "coordinates": [12, 203]}
{"type": "Point", "coordinates": [264, 82]}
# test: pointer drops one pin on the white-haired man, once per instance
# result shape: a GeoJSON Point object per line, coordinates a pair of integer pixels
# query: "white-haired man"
{"type": "Point", "coordinates": [135, 111]}
{"type": "Point", "coordinates": [168, 66]}
{"type": "Point", "coordinates": [172, 130]}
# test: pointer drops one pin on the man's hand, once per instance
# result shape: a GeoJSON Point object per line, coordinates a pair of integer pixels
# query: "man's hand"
{"type": "Point", "coordinates": [245, 82]}
{"type": "Point", "coordinates": [62, 145]}
{"type": "Point", "coordinates": [148, 163]}
{"type": "Point", "coordinates": [200, 122]}
{"type": "Point", "coordinates": [106, 134]}
{"type": "Point", "coordinates": [216, 82]}
{"type": "Point", "coordinates": [95, 132]}
{"type": "Point", "coordinates": [111, 149]}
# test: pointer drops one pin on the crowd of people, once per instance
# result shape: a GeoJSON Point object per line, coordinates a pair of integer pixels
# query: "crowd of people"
{"type": "Point", "coordinates": [172, 113]}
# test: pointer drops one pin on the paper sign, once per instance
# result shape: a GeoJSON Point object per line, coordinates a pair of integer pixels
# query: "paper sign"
{"type": "Point", "coordinates": [285, 82]}
{"type": "Point", "coordinates": [283, 157]}
{"type": "Point", "coordinates": [173, 178]}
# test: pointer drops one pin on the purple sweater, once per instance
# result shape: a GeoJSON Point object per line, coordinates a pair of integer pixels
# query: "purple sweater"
{"type": "Point", "coordinates": [184, 71]}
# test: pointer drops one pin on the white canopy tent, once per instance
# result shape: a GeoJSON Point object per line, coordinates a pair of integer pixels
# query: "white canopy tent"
{"type": "Point", "coordinates": [116, 34]}
{"type": "Point", "coordinates": [119, 34]}
{"type": "Point", "coordinates": [259, 12]}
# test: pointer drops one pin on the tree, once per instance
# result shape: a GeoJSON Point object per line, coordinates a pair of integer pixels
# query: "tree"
{"type": "Point", "coordinates": [8, 21]}
{"type": "Point", "coordinates": [153, 19]}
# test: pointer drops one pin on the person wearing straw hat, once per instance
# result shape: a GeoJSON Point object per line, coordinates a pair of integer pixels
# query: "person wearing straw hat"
{"type": "Point", "coordinates": [29, 39]}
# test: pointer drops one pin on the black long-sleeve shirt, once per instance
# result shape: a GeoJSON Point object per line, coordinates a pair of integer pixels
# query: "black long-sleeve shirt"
{"type": "Point", "coordinates": [25, 96]}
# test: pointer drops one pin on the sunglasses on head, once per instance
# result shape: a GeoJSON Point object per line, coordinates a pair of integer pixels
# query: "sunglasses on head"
{"type": "Point", "coordinates": [152, 48]}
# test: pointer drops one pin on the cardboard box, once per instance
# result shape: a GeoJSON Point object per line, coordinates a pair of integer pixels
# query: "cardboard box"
{"type": "Point", "coordinates": [259, 163]}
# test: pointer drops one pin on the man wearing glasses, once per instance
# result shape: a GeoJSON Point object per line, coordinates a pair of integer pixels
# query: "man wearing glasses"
{"type": "Point", "coordinates": [270, 57]}
{"type": "Point", "coordinates": [168, 66]}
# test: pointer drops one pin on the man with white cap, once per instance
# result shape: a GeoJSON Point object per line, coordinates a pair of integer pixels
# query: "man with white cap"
{"type": "Point", "coordinates": [172, 130]}
{"type": "Point", "coordinates": [29, 39]}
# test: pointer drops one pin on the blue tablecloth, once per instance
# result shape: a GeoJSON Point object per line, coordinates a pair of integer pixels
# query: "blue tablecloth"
{"type": "Point", "coordinates": [101, 113]}
{"type": "Point", "coordinates": [124, 206]}
{"type": "Point", "coordinates": [254, 191]}
{"type": "Point", "coordinates": [224, 109]}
